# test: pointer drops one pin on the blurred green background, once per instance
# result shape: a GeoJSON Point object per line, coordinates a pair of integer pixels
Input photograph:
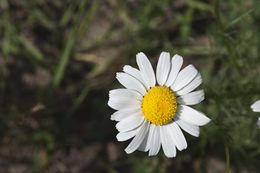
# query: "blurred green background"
{"type": "Point", "coordinates": [58, 60]}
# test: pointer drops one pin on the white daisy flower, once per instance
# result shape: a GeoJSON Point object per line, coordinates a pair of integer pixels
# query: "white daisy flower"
{"type": "Point", "coordinates": [152, 109]}
{"type": "Point", "coordinates": [256, 108]}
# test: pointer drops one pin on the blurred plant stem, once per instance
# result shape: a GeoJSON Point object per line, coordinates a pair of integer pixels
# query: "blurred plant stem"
{"type": "Point", "coordinates": [227, 166]}
{"type": "Point", "coordinates": [73, 35]}
{"type": "Point", "coordinates": [79, 100]}
{"type": "Point", "coordinates": [64, 59]}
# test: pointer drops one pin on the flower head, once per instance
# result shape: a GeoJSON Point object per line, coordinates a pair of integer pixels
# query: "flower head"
{"type": "Point", "coordinates": [256, 108]}
{"type": "Point", "coordinates": [153, 108]}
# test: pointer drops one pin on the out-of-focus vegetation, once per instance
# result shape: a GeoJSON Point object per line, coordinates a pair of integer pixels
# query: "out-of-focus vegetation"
{"type": "Point", "coordinates": [58, 60]}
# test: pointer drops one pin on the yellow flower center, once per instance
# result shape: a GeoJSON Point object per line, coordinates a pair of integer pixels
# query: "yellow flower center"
{"type": "Point", "coordinates": [159, 105]}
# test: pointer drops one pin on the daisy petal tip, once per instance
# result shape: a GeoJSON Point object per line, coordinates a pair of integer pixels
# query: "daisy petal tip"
{"type": "Point", "coordinates": [170, 156]}
{"type": "Point", "coordinates": [109, 103]}
{"type": "Point", "coordinates": [118, 138]}
{"type": "Point", "coordinates": [112, 117]}
{"type": "Point", "coordinates": [141, 58]}
{"type": "Point", "coordinates": [256, 106]}
{"type": "Point", "coordinates": [125, 67]}
{"type": "Point", "coordinates": [196, 135]}
{"type": "Point", "coordinates": [140, 55]}
{"type": "Point", "coordinates": [118, 75]}
{"type": "Point", "coordinates": [128, 151]}
{"type": "Point", "coordinates": [203, 97]}
{"type": "Point", "coordinates": [165, 53]}
{"type": "Point", "coordinates": [206, 121]}
{"type": "Point", "coordinates": [177, 59]}
{"type": "Point", "coordinates": [177, 56]}
{"type": "Point", "coordinates": [117, 127]}
{"type": "Point", "coordinates": [192, 66]}
{"type": "Point", "coordinates": [151, 155]}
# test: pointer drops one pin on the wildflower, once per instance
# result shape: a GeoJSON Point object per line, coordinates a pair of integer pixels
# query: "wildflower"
{"type": "Point", "coordinates": [152, 109]}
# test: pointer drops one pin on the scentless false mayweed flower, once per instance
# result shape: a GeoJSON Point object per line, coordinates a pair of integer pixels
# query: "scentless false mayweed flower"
{"type": "Point", "coordinates": [256, 108]}
{"type": "Point", "coordinates": [152, 109]}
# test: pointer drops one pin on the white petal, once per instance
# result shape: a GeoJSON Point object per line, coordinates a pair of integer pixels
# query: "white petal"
{"type": "Point", "coordinates": [143, 145]}
{"type": "Point", "coordinates": [177, 136]}
{"type": "Point", "coordinates": [123, 136]}
{"type": "Point", "coordinates": [146, 69]}
{"type": "Point", "coordinates": [192, 116]}
{"type": "Point", "coordinates": [123, 99]}
{"type": "Point", "coordinates": [155, 142]}
{"type": "Point", "coordinates": [189, 128]}
{"type": "Point", "coordinates": [138, 139]}
{"type": "Point", "coordinates": [185, 76]}
{"type": "Point", "coordinates": [168, 146]}
{"type": "Point", "coordinates": [149, 138]}
{"type": "Point", "coordinates": [130, 123]}
{"type": "Point", "coordinates": [256, 106]}
{"type": "Point", "coordinates": [191, 86]}
{"type": "Point", "coordinates": [130, 82]}
{"type": "Point", "coordinates": [163, 68]}
{"type": "Point", "coordinates": [126, 93]}
{"type": "Point", "coordinates": [176, 64]}
{"type": "Point", "coordinates": [118, 103]}
{"type": "Point", "coordinates": [192, 98]}
{"type": "Point", "coordinates": [124, 113]}
{"type": "Point", "coordinates": [136, 74]}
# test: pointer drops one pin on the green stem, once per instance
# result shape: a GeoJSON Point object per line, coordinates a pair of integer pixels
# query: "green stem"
{"type": "Point", "coordinates": [75, 32]}
{"type": "Point", "coordinates": [227, 168]}
{"type": "Point", "coordinates": [64, 59]}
